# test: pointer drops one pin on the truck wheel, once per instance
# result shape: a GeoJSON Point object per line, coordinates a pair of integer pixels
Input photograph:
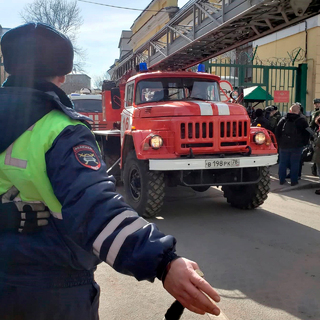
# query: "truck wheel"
{"type": "Point", "coordinates": [201, 188]}
{"type": "Point", "coordinates": [249, 196]}
{"type": "Point", "coordinates": [144, 189]}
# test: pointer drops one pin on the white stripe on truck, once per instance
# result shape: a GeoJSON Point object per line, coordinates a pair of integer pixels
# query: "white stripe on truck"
{"type": "Point", "coordinates": [223, 109]}
{"type": "Point", "coordinates": [205, 108]}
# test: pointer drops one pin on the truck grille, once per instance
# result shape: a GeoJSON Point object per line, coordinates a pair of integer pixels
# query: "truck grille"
{"type": "Point", "coordinates": [214, 135]}
{"type": "Point", "coordinates": [233, 133]}
{"type": "Point", "coordinates": [195, 130]}
{"type": "Point", "coordinates": [233, 129]}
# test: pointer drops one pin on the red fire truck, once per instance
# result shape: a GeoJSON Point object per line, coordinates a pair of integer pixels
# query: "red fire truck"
{"type": "Point", "coordinates": [170, 128]}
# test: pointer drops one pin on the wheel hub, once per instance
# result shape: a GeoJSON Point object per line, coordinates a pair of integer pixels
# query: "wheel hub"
{"type": "Point", "coordinates": [135, 184]}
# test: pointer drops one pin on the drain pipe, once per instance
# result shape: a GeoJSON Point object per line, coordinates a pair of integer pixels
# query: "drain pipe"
{"type": "Point", "coordinates": [306, 43]}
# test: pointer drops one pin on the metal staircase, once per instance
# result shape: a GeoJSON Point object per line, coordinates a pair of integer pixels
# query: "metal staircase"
{"type": "Point", "coordinates": [204, 29]}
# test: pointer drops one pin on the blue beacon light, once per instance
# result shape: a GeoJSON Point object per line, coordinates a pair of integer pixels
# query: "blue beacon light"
{"type": "Point", "coordinates": [201, 68]}
{"type": "Point", "coordinates": [143, 66]}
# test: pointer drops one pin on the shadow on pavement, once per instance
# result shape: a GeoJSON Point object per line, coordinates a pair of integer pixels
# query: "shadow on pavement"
{"type": "Point", "coordinates": [306, 195]}
{"type": "Point", "coordinates": [255, 255]}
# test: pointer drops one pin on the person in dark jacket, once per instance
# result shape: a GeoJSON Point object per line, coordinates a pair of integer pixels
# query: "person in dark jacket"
{"type": "Point", "coordinates": [314, 126]}
{"type": "Point", "coordinates": [51, 163]}
{"type": "Point", "coordinates": [292, 135]}
{"type": "Point", "coordinates": [261, 120]}
{"type": "Point", "coordinates": [315, 113]}
{"type": "Point", "coordinates": [274, 117]}
{"type": "Point", "coordinates": [316, 155]}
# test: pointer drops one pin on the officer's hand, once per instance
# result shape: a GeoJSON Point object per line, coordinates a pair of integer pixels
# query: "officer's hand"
{"type": "Point", "coordinates": [23, 217]}
{"type": "Point", "coordinates": [184, 284]}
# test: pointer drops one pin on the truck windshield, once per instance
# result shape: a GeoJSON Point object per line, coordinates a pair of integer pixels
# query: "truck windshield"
{"type": "Point", "coordinates": [176, 89]}
{"type": "Point", "coordinates": [87, 105]}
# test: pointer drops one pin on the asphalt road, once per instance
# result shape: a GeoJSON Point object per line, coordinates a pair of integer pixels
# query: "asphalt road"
{"type": "Point", "coordinates": [264, 263]}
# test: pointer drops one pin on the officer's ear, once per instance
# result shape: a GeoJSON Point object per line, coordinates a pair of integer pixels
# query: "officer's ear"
{"type": "Point", "coordinates": [61, 79]}
{"type": "Point", "coordinates": [58, 80]}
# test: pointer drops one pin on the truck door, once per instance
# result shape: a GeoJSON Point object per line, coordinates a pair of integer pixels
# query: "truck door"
{"type": "Point", "coordinates": [126, 115]}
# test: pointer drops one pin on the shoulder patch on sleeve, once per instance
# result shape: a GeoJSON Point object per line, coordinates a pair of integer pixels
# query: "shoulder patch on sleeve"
{"type": "Point", "coordinates": [87, 156]}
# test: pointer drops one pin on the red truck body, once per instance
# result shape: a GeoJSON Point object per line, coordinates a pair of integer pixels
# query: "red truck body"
{"type": "Point", "coordinates": [170, 135]}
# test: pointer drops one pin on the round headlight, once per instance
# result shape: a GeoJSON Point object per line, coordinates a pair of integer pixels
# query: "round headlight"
{"type": "Point", "coordinates": [259, 138]}
{"type": "Point", "coordinates": [156, 142]}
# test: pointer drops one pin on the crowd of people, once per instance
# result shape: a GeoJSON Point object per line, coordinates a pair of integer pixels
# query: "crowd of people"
{"type": "Point", "coordinates": [297, 138]}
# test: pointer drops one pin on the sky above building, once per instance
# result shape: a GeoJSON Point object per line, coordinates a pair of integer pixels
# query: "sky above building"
{"type": "Point", "coordinates": [100, 33]}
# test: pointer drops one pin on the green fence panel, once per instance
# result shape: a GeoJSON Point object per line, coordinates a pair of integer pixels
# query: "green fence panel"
{"type": "Point", "coordinates": [269, 77]}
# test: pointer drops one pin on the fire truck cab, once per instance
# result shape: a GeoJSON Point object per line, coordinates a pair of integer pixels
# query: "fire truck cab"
{"type": "Point", "coordinates": [176, 131]}
{"type": "Point", "coordinates": [89, 105]}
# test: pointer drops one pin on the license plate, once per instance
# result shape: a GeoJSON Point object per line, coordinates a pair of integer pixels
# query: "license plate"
{"type": "Point", "coordinates": [220, 163]}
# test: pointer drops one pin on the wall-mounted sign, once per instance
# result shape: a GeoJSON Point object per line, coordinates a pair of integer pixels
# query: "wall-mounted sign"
{"type": "Point", "coordinates": [281, 96]}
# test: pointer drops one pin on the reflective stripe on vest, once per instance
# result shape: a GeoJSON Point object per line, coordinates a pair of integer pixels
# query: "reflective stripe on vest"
{"type": "Point", "coordinates": [9, 161]}
{"type": "Point", "coordinates": [23, 164]}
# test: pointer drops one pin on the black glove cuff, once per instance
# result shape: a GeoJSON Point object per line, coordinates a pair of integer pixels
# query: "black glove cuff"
{"type": "Point", "coordinates": [10, 217]}
{"type": "Point", "coordinates": [162, 268]}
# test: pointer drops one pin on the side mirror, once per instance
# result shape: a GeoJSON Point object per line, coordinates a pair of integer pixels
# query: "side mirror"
{"type": "Point", "coordinates": [115, 98]}
{"type": "Point", "coordinates": [234, 95]}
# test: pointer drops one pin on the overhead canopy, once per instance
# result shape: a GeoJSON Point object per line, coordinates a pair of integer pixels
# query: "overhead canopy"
{"type": "Point", "coordinates": [255, 94]}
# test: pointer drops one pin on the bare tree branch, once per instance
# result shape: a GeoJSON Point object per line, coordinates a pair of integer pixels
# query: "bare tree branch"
{"type": "Point", "coordinates": [98, 80]}
{"type": "Point", "coordinates": [63, 15]}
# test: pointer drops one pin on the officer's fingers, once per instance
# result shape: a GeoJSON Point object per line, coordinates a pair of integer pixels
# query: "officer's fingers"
{"type": "Point", "coordinates": [194, 309]}
{"type": "Point", "coordinates": [43, 214]}
{"type": "Point", "coordinates": [204, 286]}
{"type": "Point", "coordinates": [199, 300]}
{"type": "Point", "coordinates": [183, 299]}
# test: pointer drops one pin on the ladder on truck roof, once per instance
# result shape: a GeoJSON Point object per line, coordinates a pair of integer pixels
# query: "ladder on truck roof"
{"type": "Point", "coordinates": [201, 30]}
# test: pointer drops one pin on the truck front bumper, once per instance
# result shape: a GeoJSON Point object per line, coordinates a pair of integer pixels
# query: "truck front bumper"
{"type": "Point", "coordinates": [215, 163]}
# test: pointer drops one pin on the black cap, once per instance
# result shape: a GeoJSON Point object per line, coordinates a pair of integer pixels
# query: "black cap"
{"type": "Point", "coordinates": [271, 108]}
{"type": "Point", "coordinates": [259, 112]}
{"type": "Point", "coordinates": [36, 49]}
{"type": "Point", "coordinates": [316, 100]}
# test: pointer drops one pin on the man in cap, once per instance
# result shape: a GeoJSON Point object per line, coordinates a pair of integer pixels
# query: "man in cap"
{"type": "Point", "coordinates": [316, 155]}
{"type": "Point", "coordinates": [292, 133]}
{"type": "Point", "coordinates": [315, 127]}
{"type": "Point", "coordinates": [261, 120]}
{"type": "Point", "coordinates": [315, 113]}
{"type": "Point", "coordinates": [274, 116]}
{"type": "Point", "coordinates": [49, 274]}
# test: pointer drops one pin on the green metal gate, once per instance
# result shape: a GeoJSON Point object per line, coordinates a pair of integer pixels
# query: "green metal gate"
{"type": "Point", "coordinates": [269, 77]}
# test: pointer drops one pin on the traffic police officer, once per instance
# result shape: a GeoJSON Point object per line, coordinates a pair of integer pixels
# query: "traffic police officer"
{"type": "Point", "coordinates": [314, 126]}
{"type": "Point", "coordinates": [315, 113]}
{"type": "Point", "coordinates": [50, 165]}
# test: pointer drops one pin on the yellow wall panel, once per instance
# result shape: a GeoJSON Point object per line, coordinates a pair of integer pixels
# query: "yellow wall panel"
{"type": "Point", "coordinates": [280, 49]}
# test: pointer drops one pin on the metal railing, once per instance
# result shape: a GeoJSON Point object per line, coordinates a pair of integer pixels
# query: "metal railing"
{"type": "Point", "coordinates": [202, 29]}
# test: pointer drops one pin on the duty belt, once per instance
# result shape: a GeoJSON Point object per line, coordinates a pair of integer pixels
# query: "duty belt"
{"type": "Point", "coordinates": [20, 216]}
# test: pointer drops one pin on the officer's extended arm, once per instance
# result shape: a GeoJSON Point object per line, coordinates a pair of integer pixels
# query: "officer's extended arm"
{"type": "Point", "coordinates": [95, 217]}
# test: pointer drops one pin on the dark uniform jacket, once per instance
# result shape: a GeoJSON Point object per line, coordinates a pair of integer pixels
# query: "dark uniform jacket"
{"type": "Point", "coordinates": [62, 254]}
{"type": "Point", "coordinates": [274, 120]}
{"type": "Point", "coordinates": [313, 124]}
{"type": "Point", "coordinates": [264, 122]}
